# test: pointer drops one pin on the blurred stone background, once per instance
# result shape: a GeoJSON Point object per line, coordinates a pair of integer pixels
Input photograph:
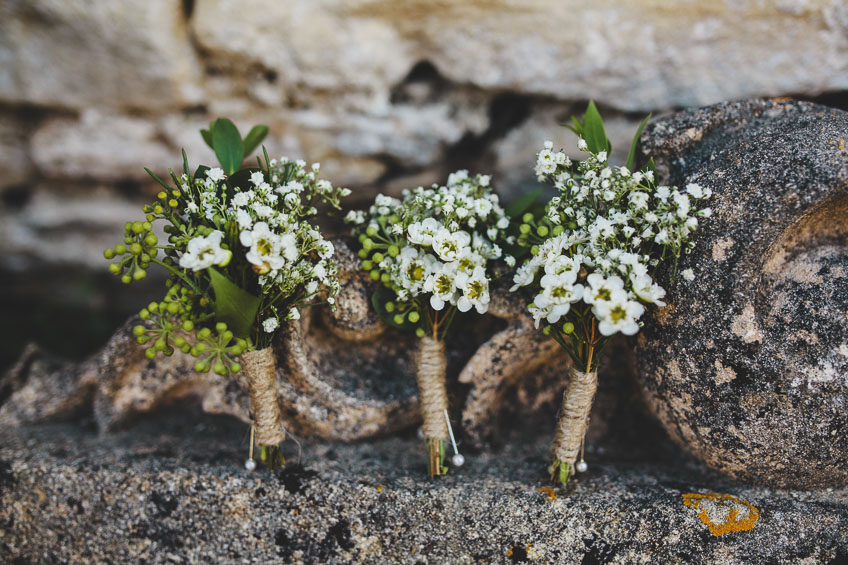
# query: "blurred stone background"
{"type": "Point", "coordinates": [385, 94]}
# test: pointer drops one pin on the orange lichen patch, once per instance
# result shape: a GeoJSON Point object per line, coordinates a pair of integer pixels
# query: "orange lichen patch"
{"type": "Point", "coordinates": [841, 144]}
{"type": "Point", "coordinates": [722, 513]}
{"type": "Point", "coordinates": [781, 99]}
{"type": "Point", "coordinates": [379, 488]}
{"type": "Point", "coordinates": [548, 491]}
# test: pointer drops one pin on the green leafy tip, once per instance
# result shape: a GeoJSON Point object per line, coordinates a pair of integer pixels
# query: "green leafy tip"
{"type": "Point", "coordinates": [226, 141]}
{"type": "Point", "coordinates": [631, 156]}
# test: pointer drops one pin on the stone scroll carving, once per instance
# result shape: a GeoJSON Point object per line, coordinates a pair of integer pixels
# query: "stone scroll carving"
{"type": "Point", "coordinates": [748, 365]}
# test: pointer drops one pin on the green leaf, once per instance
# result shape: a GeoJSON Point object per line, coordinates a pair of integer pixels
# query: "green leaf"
{"type": "Point", "coordinates": [241, 178]}
{"type": "Point", "coordinates": [233, 305]}
{"type": "Point", "coordinates": [227, 144]}
{"type": "Point", "coordinates": [631, 156]}
{"type": "Point", "coordinates": [157, 179]}
{"type": "Point", "coordinates": [522, 203]}
{"type": "Point", "coordinates": [650, 166]}
{"type": "Point", "coordinates": [593, 128]}
{"type": "Point", "coordinates": [254, 138]}
{"type": "Point", "coordinates": [577, 126]}
{"type": "Point", "coordinates": [206, 134]}
{"type": "Point", "coordinates": [185, 161]}
{"type": "Point", "coordinates": [200, 172]}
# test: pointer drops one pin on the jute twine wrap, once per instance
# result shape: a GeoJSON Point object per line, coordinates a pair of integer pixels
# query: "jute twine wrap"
{"type": "Point", "coordinates": [574, 419]}
{"type": "Point", "coordinates": [261, 372]}
{"type": "Point", "coordinates": [431, 366]}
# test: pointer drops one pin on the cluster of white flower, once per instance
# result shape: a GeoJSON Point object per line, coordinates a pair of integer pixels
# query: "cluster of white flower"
{"type": "Point", "coordinates": [268, 217]}
{"type": "Point", "coordinates": [437, 241]}
{"type": "Point", "coordinates": [610, 226]}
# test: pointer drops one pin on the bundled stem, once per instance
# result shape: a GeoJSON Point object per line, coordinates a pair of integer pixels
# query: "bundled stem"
{"type": "Point", "coordinates": [260, 369]}
{"type": "Point", "coordinates": [573, 421]}
{"type": "Point", "coordinates": [430, 371]}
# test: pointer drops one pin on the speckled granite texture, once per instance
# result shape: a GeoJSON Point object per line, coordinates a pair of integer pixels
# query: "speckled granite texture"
{"type": "Point", "coordinates": [747, 366]}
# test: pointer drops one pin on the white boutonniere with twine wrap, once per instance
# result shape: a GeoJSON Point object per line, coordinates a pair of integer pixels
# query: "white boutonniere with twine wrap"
{"type": "Point", "coordinates": [243, 258]}
{"type": "Point", "coordinates": [433, 250]}
{"type": "Point", "coordinates": [596, 251]}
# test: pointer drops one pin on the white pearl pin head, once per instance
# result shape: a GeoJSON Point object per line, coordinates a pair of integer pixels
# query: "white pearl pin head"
{"type": "Point", "coordinates": [458, 460]}
{"type": "Point", "coordinates": [250, 464]}
{"type": "Point", "coordinates": [581, 466]}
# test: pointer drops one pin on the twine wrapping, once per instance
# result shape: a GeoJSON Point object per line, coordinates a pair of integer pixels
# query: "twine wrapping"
{"type": "Point", "coordinates": [574, 418]}
{"type": "Point", "coordinates": [260, 369]}
{"type": "Point", "coordinates": [430, 370]}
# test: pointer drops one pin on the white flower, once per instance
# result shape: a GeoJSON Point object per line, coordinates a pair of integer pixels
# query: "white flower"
{"type": "Point", "coordinates": [688, 274]}
{"type": "Point", "coordinates": [421, 233]}
{"type": "Point", "coordinates": [603, 289]}
{"type": "Point", "coordinates": [204, 252]}
{"type": "Point", "coordinates": [257, 178]}
{"type": "Point", "coordinates": [475, 291]}
{"type": "Point", "coordinates": [618, 315]}
{"type": "Point", "coordinates": [457, 177]}
{"type": "Point", "coordinates": [644, 288]}
{"type": "Point", "coordinates": [448, 245]}
{"type": "Point", "coordinates": [482, 207]}
{"type": "Point", "coordinates": [265, 248]}
{"type": "Point", "coordinates": [325, 249]}
{"type": "Point", "coordinates": [639, 200]}
{"type": "Point", "coordinates": [294, 314]}
{"type": "Point", "coordinates": [215, 174]}
{"type": "Point", "coordinates": [557, 296]}
{"type": "Point", "coordinates": [241, 199]}
{"type": "Point", "coordinates": [582, 145]}
{"type": "Point", "coordinates": [695, 190]}
{"type": "Point", "coordinates": [243, 219]}
{"type": "Point", "coordinates": [524, 275]}
{"type": "Point", "coordinates": [270, 324]}
{"type": "Point", "coordinates": [442, 284]}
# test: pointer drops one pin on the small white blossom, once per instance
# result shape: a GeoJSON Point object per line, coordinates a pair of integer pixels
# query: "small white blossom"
{"type": "Point", "coordinates": [270, 324]}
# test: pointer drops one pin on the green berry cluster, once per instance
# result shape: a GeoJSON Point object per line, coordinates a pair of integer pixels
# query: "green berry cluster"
{"type": "Point", "coordinates": [533, 232]}
{"type": "Point", "coordinates": [135, 253]}
{"type": "Point", "coordinates": [215, 349]}
{"type": "Point", "coordinates": [377, 243]}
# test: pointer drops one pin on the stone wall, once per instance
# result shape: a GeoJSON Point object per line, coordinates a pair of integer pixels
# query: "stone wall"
{"type": "Point", "coordinates": [386, 94]}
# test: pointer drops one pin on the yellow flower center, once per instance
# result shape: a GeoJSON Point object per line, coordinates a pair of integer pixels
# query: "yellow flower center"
{"type": "Point", "coordinates": [618, 313]}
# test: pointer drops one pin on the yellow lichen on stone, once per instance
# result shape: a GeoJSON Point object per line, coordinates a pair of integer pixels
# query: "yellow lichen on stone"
{"type": "Point", "coordinates": [722, 513]}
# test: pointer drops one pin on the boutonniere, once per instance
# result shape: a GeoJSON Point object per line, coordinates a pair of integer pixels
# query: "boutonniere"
{"type": "Point", "coordinates": [243, 256]}
{"type": "Point", "coordinates": [596, 252]}
{"type": "Point", "coordinates": [434, 251]}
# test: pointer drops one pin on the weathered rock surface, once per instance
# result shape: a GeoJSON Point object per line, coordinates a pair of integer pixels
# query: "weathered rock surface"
{"type": "Point", "coordinates": [748, 365]}
{"type": "Point", "coordinates": [647, 55]}
{"type": "Point", "coordinates": [75, 54]}
{"type": "Point", "coordinates": [172, 489]}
